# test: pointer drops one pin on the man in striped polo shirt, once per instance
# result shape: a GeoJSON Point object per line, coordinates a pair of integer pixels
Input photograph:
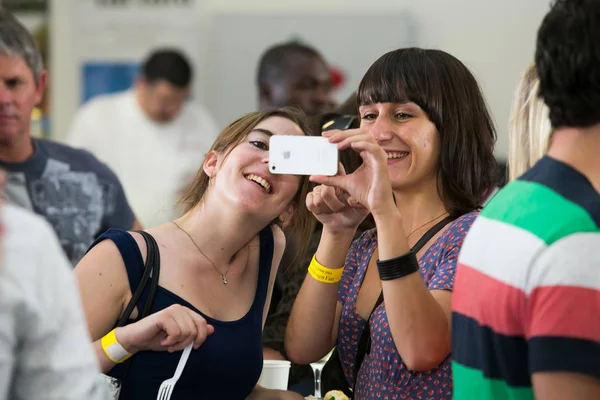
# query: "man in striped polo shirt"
{"type": "Point", "coordinates": [526, 303]}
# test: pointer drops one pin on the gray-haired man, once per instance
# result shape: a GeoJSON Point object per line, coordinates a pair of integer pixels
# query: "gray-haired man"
{"type": "Point", "coordinates": [77, 194]}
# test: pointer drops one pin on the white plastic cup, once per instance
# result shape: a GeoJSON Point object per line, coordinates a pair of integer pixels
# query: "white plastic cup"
{"type": "Point", "coordinates": [275, 374]}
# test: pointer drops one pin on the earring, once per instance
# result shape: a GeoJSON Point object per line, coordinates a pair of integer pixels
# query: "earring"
{"type": "Point", "coordinates": [211, 181]}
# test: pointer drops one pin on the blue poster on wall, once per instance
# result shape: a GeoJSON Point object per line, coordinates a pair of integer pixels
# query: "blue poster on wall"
{"type": "Point", "coordinates": [107, 77]}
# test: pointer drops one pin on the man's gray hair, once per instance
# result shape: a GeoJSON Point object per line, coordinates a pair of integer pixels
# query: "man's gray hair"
{"type": "Point", "coordinates": [15, 40]}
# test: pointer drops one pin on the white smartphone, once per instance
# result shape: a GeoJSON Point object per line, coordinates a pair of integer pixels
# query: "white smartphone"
{"type": "Point", "coordinates": [302, 155]}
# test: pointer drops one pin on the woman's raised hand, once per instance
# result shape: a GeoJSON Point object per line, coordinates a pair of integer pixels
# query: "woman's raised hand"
{"type": "Point", "coordinates": [368, 186]}
{"type": "Point", "coordinates": [335, 209]}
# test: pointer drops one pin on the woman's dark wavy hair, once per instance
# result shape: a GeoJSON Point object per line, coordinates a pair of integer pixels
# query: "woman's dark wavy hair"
{"type": "Point", "coordinates": [450, 96]}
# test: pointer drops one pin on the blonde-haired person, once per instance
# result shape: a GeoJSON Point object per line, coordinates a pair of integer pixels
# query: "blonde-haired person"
{"type": "Point", "coordinates": [529, 131]}
{"type": "Point", "coordinates": [217, 269]}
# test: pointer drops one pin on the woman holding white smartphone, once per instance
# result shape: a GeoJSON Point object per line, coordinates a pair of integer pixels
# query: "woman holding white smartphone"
{"type": "Point", "coordinates": [217, 267]}
{"type": "Point", "coordinates": [426, 140]}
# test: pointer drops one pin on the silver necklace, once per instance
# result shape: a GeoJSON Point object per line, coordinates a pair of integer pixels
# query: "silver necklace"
{"type": "Point", "coordinates": [223, 274]}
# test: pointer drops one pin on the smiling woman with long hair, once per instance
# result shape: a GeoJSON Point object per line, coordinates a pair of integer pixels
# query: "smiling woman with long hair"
{"type": "Point", "coordinates": [217, 267]}
{"type": "Point", "coordinates": [426, 139]}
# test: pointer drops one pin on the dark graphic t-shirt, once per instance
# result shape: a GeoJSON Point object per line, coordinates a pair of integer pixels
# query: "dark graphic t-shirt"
{"type": "Point", "coordinates": [77, 194]}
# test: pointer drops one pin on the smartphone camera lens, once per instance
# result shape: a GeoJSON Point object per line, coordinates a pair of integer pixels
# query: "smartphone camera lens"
{"type": "Point", "coordinates": [273, 168]}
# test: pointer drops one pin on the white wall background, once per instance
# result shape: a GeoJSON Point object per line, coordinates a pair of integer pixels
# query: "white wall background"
{"type": "Point", "coordinates": [342, 37]}
{"type": "Point", "coordinates": [495, 38]}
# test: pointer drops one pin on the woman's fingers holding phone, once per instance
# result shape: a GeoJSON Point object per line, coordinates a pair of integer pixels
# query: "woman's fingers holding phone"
{"type": "Point", "coordinates": [338, 181]}
{"type": "Point", "coordinates": [355, 204]}
{"type": "Point", "coordinates": [334, 209]}
{"type": "Point", "coordinates": [369, 151]}
{"type": "Point", "coordinates": [336, 136]}
{"type": "Point", "coordinates": [330, 198]}
{"type": "Point", "coordinates": [363, 143]}
{"type": "Point", "coordinates": [322, 201]}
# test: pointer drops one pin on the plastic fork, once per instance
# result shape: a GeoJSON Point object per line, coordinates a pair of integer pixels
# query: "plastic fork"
{"type": "Point", "coordinates": [166, 388]}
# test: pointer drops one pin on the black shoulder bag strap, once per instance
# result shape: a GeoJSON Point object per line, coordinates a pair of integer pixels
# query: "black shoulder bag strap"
{"type": "Point", "coordinates": [149, 277]}
{"type": "Point", "coordinates": [364, 343]}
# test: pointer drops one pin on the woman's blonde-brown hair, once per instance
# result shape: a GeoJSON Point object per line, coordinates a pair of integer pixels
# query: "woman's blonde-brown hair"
{"type": "Point", "coordinates": [302, 221]}
{"type": "Point", "coordinates": [529, 131]}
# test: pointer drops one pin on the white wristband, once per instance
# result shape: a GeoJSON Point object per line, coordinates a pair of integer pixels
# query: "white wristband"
{"type": "Point", "coordinates": [113, 348]}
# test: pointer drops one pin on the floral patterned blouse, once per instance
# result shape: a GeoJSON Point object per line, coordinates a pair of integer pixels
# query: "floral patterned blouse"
{"type": "Point", "coordinates": [383, 375]}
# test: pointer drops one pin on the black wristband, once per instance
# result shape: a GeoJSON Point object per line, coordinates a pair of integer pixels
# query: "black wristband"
{"type": "Point", "coordinates": [398, 267]}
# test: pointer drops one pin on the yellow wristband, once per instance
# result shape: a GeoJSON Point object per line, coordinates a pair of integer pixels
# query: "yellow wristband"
{"type": "Point", "coordinates": [324, 274]}
{"type": "Point", "coordinates": [113, 349]}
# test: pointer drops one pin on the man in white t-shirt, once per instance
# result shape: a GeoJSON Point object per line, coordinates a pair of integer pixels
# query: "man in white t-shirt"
{"type": "Point", "coordinates": [45, 347]}
{"type": "Point", "coordinates": [151, 136]}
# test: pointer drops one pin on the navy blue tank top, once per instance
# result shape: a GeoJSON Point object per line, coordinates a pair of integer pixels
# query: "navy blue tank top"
{"type": "Point", "coordinates": [228, 364]}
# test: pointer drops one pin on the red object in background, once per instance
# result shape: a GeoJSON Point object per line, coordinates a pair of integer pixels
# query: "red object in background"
{"type": "Point", "coordinates": [338, 78]}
